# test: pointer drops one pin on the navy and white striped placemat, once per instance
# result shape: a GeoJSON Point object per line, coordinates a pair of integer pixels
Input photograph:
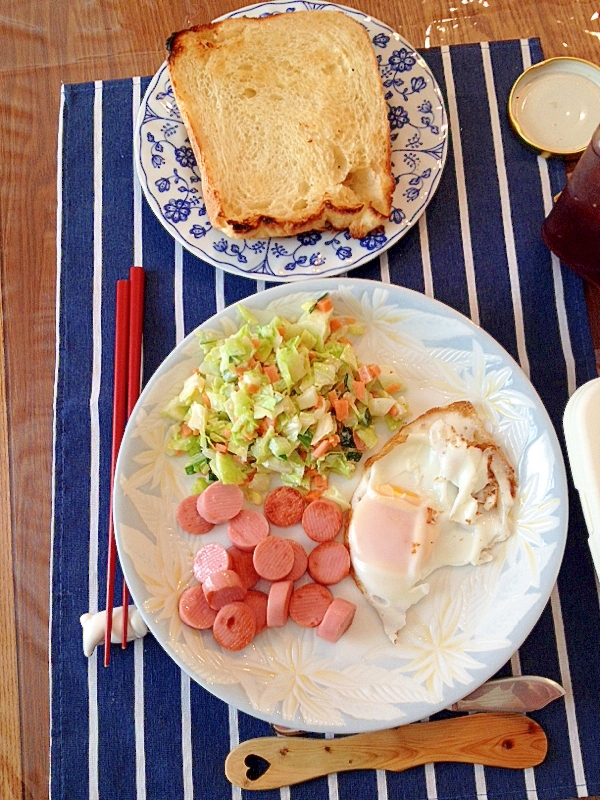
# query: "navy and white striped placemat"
{"type": "Point", "coordinates": [141, 728]}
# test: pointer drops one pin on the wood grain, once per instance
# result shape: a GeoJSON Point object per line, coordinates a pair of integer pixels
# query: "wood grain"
{"type": "Point", "coordinates": [512, 741]}
{"type": "Point", "coordinates": [44, 43]}
{"type": "Point", "coordinates": [10, 733]}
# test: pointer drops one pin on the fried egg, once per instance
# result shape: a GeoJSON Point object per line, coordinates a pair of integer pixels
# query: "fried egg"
{"type": "Point", "coordinates": [438, 494]}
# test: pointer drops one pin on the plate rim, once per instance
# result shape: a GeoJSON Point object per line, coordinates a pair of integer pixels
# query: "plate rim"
{"type": "Point", "coordinates": [551, 569]}
{"type": "Point", "coordinates": [368, 256]}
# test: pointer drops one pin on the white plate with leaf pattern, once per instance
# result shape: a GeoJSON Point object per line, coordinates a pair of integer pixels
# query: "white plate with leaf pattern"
{"type": "Point", "coordinates": [170, 179]}
{"type": "Point", "coordinates": [472, 620]}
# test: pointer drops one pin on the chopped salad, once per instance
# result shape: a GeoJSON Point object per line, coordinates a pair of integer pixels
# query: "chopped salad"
{"type": "Point", "coordinates": [285, 397]}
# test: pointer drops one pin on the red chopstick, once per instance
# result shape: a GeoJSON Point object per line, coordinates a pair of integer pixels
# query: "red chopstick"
{"type": "Point", "coordinates": [137, 280]}
{"type": "Point", "coordinates": [129, 322]}
{"type": "Point", "coordinates": [118, 426]}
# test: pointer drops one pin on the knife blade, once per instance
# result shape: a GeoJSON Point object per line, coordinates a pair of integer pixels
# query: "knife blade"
{"type": "Point", "coordinates": [521, 693]}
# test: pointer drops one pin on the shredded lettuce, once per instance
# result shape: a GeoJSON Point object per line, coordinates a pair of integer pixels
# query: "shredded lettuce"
{"type": "Point", "coordinates": [280, 398]}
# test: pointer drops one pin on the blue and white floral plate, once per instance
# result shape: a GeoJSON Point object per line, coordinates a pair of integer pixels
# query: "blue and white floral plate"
{"type": "Point", "coordinates": [456, 637]}
{"type": "Point", "coordinates": [419, 131]}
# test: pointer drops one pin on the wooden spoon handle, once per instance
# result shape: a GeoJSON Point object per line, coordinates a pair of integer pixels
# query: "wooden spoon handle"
{"type": "Point", "coordinates": [497, 740]}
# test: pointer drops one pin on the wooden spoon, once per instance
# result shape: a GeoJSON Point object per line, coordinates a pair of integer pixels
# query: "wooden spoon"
{"type": "Point", "coordinates": [494, 740]}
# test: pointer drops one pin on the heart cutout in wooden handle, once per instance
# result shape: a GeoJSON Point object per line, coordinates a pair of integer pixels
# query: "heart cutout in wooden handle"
{"type": "Point", "coordinates": [496, 740]}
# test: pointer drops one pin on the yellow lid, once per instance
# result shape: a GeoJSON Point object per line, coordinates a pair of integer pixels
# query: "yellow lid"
{"type": "Point", "coordinates": [554, 106]}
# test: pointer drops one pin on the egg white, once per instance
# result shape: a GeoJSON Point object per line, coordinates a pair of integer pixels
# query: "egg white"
{"type": "Point", "coordinates": [441, 497]}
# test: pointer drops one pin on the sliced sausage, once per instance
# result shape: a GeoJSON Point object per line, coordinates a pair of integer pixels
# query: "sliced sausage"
{"type": "Point", "coordinates": [329, 563]}
{"type": "Point", "coordinates": [211, 558]}
{"type": "Point", "coordinates": [258, 603]}
{"type": "Point", "coordinates": [300, 562]}
{"type": "Point", "coordinates": [242, 564]}
{"type": "Point", "coordinates": [220, 502]}
{"type": "Point", "coordinates": [309, 604]}
{"type": "Point", "coordinates": [337, 620]}
{"type": "Point", "coordinates": [278, 603]}
{"type": "Point", "coordinates": [194, 609]}
{"type": "Point", "coordinates": [222, 588]}
{"type": "Point", "coordinates": [189, 519]}
{"type": "Point", "coordinates": [273, 558]}
{"type": "Point", "coordinates": [322, 520]}
{"type": "Point", "coordinates": [247, 529]}
{"type": "Point", "coordinates": [284, 506]}
{"type": "Point", "coordinates": [234, 626]}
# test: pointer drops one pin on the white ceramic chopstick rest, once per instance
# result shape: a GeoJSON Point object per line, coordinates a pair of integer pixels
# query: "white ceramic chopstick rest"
{"type": "Point", "coordinates": [94, 626]}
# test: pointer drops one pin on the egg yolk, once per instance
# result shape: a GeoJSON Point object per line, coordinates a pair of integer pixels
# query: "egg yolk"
{"type": "Point", "coordinates": [392, 532]}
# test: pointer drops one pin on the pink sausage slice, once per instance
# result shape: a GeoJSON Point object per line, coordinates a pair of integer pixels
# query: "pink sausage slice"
{"type": "Point", "coordinates": [337, 620]}
{"type": "Point", "coordinates": [284, 506]}
{"type": "Point", "coordinates": [242, 564]}
{"type": "Point", "coordinates": [234, 626]}
{"type": "Point", "coordinates": [220, 502]}
{"type": "Point", "coordinates": [247, 529]}
{"type": "Point", "coordinates": [278, 603]}
{"type": "Point", "coordinates": [273, 558]}
{"type": "Point", "coordinates": [300, 562]}
{"type": "Point", "coordinates": [309, 604]}
{"type": "Point", "coordinates": [329, 563]}
{"type": "Point", "coordinates": [194, 609]}
{"type": "Point", "coordinates": [322, 520]}
{"type": "Point", "coordinates": [258, 603]}
{"type": "Point", "coordinates": [189, 519]}
{"type": "Point", "coordinates": [222, 588]}
{"type": "Point", "coordinates": [211, 558]}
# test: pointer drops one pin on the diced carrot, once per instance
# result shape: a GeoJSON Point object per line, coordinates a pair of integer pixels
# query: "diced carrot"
{"type": "Point", "coordinates": [206, 399]}
{"type": "Point", "coordinates": [320, 401]}
{"type": "Point", "coordinates": [240, 370]}
{"type": "Point", "coordinates": [349, 320]}
{"type": "Point", "coordinates": [227, 433]}
{"type": "Point", "coordinates": [374, 370]}
{"type": "Point", "coordinates": [342, 410]}
{"type": "Point", "coordinates": [358, 387]}
{"type": "Point", "coordinates": [312, 354]}
{"type": "Point", "coordinates": [394, 411]}
{"type": "Point", "coordinates": [252, 362]}
{"type": "Point", "coordinates": [325, 304]}
{"type": "Point", "coordinates": [314, 494]}
{"type": "Point", "coordinates": [252, 388]}
{"type": "Point", "coordinates": [185, 431]}
{"type": "Point", "coordinates": [263, 427]}
{"type": "Point", "coordinates": [332, 397]}
{"type": "Point", "coordinates": [256, 343]}
{"type": "Point", "coordinates": [272, 373]}
{"type": "Point", "coordinates": [322, 448]}
{"type": "Point", "coordinates": [221, 448]}
{"type": "Point", "coordinates": [335, 324]}
{"type": "Point", "coordinates": [319, 482]}
{"type": "Point", "coordinates": [365, 374]}
{"type": "Point", "coordinates": [334, 439]}
{"type": "Point", "coordinates": [394, 387]}
{"type": "Point", "coordinates": [358, 442]}
{"type": "Point", "coordinates": [281, 331]}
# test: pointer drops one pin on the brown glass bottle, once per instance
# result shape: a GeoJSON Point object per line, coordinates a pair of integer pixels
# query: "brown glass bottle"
{"type": "Point", "coordinates": [572, 229]}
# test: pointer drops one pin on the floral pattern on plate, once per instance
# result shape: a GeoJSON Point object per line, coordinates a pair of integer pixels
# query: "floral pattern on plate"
{"type": "Point", "coordinates": [170, 178]}
{"type": "Point", "coordinates": [473, 618]}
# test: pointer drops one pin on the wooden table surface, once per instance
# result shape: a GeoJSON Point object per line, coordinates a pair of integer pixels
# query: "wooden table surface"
{"type": "Point", "coordinates": [44, 43]}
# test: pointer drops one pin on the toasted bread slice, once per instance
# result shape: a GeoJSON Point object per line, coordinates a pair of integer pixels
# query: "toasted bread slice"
{"type": "Point", "coordinates": [288, 122]}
